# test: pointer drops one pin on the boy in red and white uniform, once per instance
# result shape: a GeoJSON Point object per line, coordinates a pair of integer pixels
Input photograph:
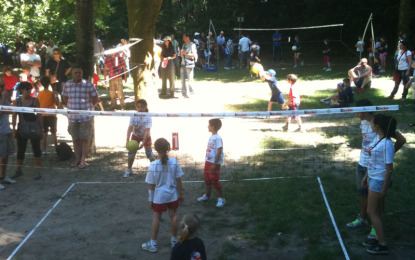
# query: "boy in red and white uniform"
{"type": "Point", "coordinates": [214, 158]}
{"type": "Point", "coordinates": [293, 102]}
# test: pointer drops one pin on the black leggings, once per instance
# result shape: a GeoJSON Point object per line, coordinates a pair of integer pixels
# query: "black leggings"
{"type": "Point", "coordinates": [21, 147]}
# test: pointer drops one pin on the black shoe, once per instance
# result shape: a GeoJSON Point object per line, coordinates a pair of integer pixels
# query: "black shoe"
{"type": "Point", "coordinates": [378, 250]}
{"type": "Point", "coordinates": [370, 243]}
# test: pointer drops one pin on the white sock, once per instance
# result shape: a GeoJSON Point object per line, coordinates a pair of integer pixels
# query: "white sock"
{"type": "Point", "coordinates": [153, 242]}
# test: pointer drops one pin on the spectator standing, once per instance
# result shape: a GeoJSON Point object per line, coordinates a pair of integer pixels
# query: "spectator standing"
{"type": "Point", "coordinates": [276, 46]}
{"type": "Point", "coordinates": [176, 47]}
{"type": "Point", "coordinates": [29, 128]}
{"type": "Point", "coordinates": [32, 59]}
{"type": "Point", "coordinates": [243, 48]}
{"type": "Point", "coordinates": [221, 43]}
{"type": "Point", "coordinates": [98, 49]}
{"type": "Point", "coordinates": [80, 94]}
{"type": "Point", "coordinates": [126, 54]}
{"type": "Point", "coordinates": [48, 99]}
{"type": "Point", "coordinates": [229, 49]}
{"type": "Point", "coordinates": [6, 138]}
{"type": "Point", "coordinates": [326, 53]}
{"type": "Point", "coordinates": [403, 70]}
{"type": "Point", "coordinates": [383, 52]}
{"type": "Point", "coordinates": [49, 50]}
{"type": "Point", "coordinates": [41, 51]}
{"type": "Point", "coordinates": [167, 67]}
{"type": "Point", "coordinates": [189, 58]}
{"type": "Point", "coordinates": [114, 66]}
{"type": "Point", "coordinates": [359, 47]}
{"type": "Point", "coordinates": [10, 81]}
{"type": "Point", "coordinates": [297, 52]}
{"type": "Point", "coordinates": [58, 70]}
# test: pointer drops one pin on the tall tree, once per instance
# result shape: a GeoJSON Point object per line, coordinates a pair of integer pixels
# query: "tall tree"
{"type": "Point", "coordinates": [405, 15]}
{"type": "Point", "coordinates": [85, 24]}
{"type": "Point", "coordinates": [142, 18]}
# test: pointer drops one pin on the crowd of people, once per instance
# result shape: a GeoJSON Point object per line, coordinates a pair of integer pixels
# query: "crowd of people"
{"type": "Point", "coordinates": [165, 190]}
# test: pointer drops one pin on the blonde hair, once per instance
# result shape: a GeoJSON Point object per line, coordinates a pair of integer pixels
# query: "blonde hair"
{"type": "Point", "coordinates": [189, 226]}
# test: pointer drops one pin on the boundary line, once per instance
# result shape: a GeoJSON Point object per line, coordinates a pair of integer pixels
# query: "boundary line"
{"type": "Point", "coordinates": [40, 222]}
{"type": "Point", "coordinates": [346, 255]}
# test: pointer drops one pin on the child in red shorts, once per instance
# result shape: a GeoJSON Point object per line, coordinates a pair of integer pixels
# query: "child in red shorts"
{"type": "Point", "coordinates": [214, 158]}
{"type": "Point", "coordinates": [139, 130]}
{"type": "Point", "coordinates": [165, 191]}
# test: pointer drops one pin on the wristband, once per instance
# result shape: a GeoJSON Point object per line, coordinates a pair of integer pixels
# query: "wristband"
{"type": "Point", "coordinates": [150, 195]}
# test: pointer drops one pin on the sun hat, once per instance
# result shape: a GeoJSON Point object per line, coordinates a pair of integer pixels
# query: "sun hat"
{"type": "Point", "coordinates": [272, 72]}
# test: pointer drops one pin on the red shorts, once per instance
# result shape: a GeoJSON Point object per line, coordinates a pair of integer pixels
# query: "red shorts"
{"type": "Point", "coordinates": [326, 59]}
{"type": "Point", "coordinates": [212, 177]}
{"type": "Point", "coordinates": [138, 139]}
{"type": "Point", "coordinates": [163, 207]}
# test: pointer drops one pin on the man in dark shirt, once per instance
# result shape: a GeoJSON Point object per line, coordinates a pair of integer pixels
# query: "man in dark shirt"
{"type": "Point", "coordinates": [57, 68]}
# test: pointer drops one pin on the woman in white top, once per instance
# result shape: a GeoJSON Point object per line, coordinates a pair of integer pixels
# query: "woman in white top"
{"type": "Point", "coordinates": [378, 176]}
{"type": "Point", "coordinates": [403, 70]}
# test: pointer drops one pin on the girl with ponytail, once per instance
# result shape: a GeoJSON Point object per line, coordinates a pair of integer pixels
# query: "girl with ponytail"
{"type": "Point", "coordinates": [189, 246]}
{"type": "Point", "coordinates": [165, 192]}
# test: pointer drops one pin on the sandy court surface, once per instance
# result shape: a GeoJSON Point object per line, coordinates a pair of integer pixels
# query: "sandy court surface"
{"type": "Point", "coordinates": [109, 221]}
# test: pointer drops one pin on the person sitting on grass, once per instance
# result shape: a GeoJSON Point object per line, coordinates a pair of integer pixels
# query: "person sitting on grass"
{"type": "Point", "coordinates": [339, 99]}
{"type": "Point", "coordinates": [361, 75]}
{"type": "Point", "coordinates": [277, 96]}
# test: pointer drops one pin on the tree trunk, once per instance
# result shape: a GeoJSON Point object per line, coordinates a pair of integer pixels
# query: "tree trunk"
{"type": "Point", "coordinates": [142, 18]}
{"type": "Point", "coordinates": [85, 24]}
{"type": "Point", "coordinates": [405, 16]}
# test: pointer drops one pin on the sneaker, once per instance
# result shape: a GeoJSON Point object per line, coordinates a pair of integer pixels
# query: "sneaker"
{"type": "Point", "coordinates": [328, 69]}
{"type": "Point", "coordinates": [324, 68]}
{"type": "Point", "coordinates": [285, 128]}
{"type": "Point", "coordinates": [302, 63]}
{"type": "Point", "coordinates": [221, 202]}
{"type": "Point", "coordinates": [127, 172]}
{"type": "Point", "coordinates": [2, 187]}
{"type": "Point", "coordinates": [203, 198]}
{"type": "Point", "coordinates": [149, 247]}
{"type": "Point", "coordinates": [7, 180]}
{"type": "Point", "coordinates": [360, 91]}
{"type": "Point", "coordinates": [359, 221]}
{"type": "Point", "coordinates": [323, 100]}
{"type": "Point", "coordinates": [295, 66]}
{"type": "Point", "coordinates": [173, 242]}
{"type": "Point", "coordinates": [227, 68]}
{"type": "Point", "coordinates": [370, 243]}
{"type": "Point", "coordinates": [37, 176]}
{"type": "Point", "coordinates": [378, 250]}
{"type": "Point", "coordinates": [18, 173]}
{"type": "Point", "coordinates": [298, 130]}
{"type": "Point", "coordinates": [372, 234]}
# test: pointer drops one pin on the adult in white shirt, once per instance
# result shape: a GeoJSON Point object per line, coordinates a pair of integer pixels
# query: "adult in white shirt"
{"type": "Point", "coordinates": [31, 59]}
{"type": "Point", "coordinates": [404, 61]}
{"type": "Point", "coordinates": [243, 48]}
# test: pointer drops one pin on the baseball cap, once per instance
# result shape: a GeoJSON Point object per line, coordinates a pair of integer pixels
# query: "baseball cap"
{"type": "Point", "coordinates": [341, 85]}
{"type": "Point", "coordinates": [196, 33]}
{"type": "Point", "coordinates": [167, 38]}
{"type": "Point", "coordinates": [272, 72]}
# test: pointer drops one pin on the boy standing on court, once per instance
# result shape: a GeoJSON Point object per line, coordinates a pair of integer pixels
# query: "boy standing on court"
{"type": "Point", "coordinates": [214, 158]}
{"type": "Point", "coordinates": [293, 103]}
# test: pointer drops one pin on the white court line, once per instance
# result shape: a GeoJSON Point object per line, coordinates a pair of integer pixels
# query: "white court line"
{"type": "Point", "coordinates": [333, 221]}
{"type": "Point", "coordinates": [40, 222]}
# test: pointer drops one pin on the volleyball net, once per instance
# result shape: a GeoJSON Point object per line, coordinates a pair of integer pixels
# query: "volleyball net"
{"type": "Point", "coordinates": [255, 144]}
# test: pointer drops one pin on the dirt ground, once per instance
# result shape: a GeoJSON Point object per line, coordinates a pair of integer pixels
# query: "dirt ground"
{"type": "Point", "coordinates": [105, 216]}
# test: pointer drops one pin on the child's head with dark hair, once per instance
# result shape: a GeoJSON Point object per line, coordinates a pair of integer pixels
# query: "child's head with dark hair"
{"type": "Point", "coordinates": [292, 78]}
{"type": "Point", "coordinates": [346, 82]}
{"type": "Point", "coordinates": [189, 226]}
{"type": "Point", "coordinates": [387, 124]}
{"type": "Point", "coordinates": [364, 115]}
{"type": "Point", "coordinates": [141, 105]}
{"type": "Point", "coordinates": [162, 147]}
{"type": "Point", "coordinates": [216, 123]}
{"type": "Point", "coordinates": [25, 86]}
{"type": "Point", "coordinates": [45, 81]}
{"type": "Point", "coordinates": [7, 69]}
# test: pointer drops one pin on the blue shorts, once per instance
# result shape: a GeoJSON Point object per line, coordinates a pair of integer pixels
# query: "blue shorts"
{"type": "Point", "coordinates": [279, 98]}
{"type": "Point", "coordinates": [375, 185]}
{"type": "Point", "coordinates": [360, 173]}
